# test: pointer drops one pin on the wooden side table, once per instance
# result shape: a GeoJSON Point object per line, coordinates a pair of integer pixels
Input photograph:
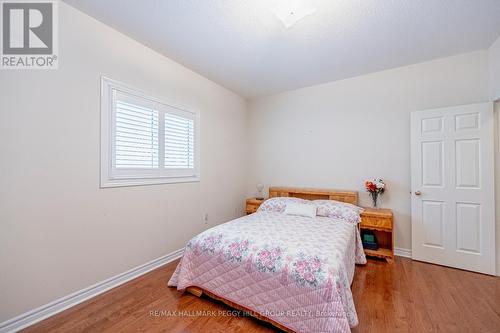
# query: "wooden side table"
{"type": "Point", "coordinates": [252, 205]}
{"type": "Point", "coordinates": [380, 222]}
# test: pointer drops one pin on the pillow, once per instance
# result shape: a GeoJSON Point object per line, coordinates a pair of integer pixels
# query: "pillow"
{"type": "Point", "coordinates": [339, 210]}
{"type": "Point", "coordinates": [278, 204]}
{"type": "Point", "coordinates": [324, 205]}
{"type": "Point", "coordinates": [301, 209]}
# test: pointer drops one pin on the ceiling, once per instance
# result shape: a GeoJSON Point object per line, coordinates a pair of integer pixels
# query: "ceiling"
{"type": "Point", "coordinates": [242, 45]}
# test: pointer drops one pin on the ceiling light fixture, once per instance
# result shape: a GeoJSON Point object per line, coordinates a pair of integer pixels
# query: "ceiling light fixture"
{"type": "Point", "coordinates": [293, 12]}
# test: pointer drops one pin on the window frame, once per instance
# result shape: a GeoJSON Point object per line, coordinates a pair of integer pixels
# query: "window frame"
{"type": "Point", "coordinates": [116, 177]}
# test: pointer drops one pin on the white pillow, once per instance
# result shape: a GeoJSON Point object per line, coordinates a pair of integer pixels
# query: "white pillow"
{"type": "Point", "coordinates": [301, 209]}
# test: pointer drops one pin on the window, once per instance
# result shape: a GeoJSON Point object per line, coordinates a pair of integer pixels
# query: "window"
{"type": "Point", "coordinates": [144, 140]}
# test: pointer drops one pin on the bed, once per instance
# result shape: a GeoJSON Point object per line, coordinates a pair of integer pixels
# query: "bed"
{"type": "Point", "coordinates": [292, 271]}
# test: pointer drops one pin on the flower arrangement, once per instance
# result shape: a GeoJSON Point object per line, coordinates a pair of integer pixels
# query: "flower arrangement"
{"type": "Point", "coordinates": [237, 250]}
{"type": "Point", "coordinates": [307, 270]}
{"type": "Point", "coordinates": [210, 243]}
{"type": "Point", "coordinates": [375, 187]}
{"type": "Point", "coordinates": [269, 260]}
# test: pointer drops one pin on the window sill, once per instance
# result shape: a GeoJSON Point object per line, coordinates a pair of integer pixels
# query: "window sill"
{"type": "Point", "coordinates": [105, 183]}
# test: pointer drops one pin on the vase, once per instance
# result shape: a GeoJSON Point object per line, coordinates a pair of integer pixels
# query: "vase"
{"type": "Point", "coordinates": [374, 196]}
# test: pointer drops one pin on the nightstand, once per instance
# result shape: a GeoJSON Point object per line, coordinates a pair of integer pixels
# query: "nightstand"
{"type": "Point", "coordinates": [252, 205]}
{"type": "Point", "coordinates": [380, 222]}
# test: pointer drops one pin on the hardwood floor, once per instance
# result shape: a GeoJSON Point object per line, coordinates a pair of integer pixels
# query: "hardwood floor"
{"type": "Point", "coordinates": [406, 296]}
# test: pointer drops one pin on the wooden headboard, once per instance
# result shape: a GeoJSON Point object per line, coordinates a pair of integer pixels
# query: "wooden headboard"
{"type": "Point", "coordinates": [314, 194]}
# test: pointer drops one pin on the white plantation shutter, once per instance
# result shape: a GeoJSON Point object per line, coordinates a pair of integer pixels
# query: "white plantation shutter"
{"type": "Point", "coordinates": [136, 136]}
{"type": "Point", "coordinates": [179, 142]}
{"type": "Point", "coordinates": [145, 141]}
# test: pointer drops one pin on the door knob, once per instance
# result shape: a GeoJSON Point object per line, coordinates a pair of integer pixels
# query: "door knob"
{"type": "Point", "coordinates": [418, 192]}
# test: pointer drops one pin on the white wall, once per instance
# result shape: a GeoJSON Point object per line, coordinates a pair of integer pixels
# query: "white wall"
{"type": "Point", "coordinates": [58, 231]}
{"type": "Point", "coordinates": [494, 58]}
{"type": "Point", "coordinates": [338, 134]}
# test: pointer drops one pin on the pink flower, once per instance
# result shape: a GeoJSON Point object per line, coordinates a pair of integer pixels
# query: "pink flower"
{"type": "Point", "coordinates": [308, 276]}
{"type": "Point", "coordinates": [315, 264]}
{"type": "Point", "coordinates": [301, 263]}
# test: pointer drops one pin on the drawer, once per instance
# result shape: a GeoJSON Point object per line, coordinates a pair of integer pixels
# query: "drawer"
{"type": "Point", "coordinates": [376, 222]}
{"type": "Point", "coordinates": [252, 208]}
{"type": "Point", "coordinates": [252, 205]}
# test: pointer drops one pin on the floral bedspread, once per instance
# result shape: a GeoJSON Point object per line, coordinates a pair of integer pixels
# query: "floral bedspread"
{"type": "Point", "coordinates": [294, 270]}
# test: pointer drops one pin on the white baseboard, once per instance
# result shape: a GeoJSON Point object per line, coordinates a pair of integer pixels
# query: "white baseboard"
{"type": "Point", "coordinates": [402, 252]}
{"type": "Point", "coordinates": [31, 317]}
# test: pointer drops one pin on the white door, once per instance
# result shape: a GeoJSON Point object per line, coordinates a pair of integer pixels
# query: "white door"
{"type": "Point", "coordinates": [452, 182]}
